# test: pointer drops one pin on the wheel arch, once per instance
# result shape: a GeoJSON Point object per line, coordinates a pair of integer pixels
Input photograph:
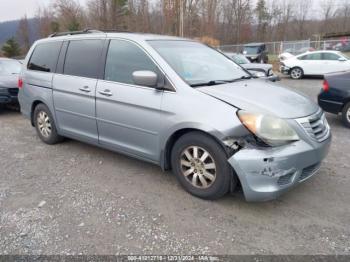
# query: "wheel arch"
{"type": "Point", "coordinates": [32, 109]}
{"type": "Point", "coordinates": [170, 142]}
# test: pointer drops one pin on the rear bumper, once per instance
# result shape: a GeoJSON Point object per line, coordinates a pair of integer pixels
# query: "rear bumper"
{"type": "Point", "coordinates": [8, 95]}
{"type": "Point", "coordinates": [265, 174]}
{"type": "Point", "coordinates": [329, 105]}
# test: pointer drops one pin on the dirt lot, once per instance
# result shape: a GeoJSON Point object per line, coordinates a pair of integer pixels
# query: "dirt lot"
{"type": "Point", "coordinates": [73, 198]}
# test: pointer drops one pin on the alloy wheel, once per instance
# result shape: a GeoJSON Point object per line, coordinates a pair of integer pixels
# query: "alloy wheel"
{"type": "Point", "coordinates": [296, 73]}
{"type": "Point", "coordinates": [44, 124]}
{"type": "Point", "coordinates": [198, 167]}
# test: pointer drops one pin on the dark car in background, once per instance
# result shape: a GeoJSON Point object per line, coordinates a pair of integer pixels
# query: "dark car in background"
{"type": "Point", "coordinates": [9, 70]}
{"type": "Point", "coordinates": [256, 52]}
{"type": "Point", "coordinates": [335, 95]}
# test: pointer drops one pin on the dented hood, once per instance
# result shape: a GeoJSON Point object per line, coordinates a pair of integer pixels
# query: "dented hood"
{"type": "Point", "coordinates": [262, 96]}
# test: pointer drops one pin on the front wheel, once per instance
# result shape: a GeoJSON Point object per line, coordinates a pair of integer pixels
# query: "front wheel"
{"type": "Point", "coordinates": [296, 73]}
{"type": "Point", "coordinates": [200, 165]}
{"type": "Point", "coordinates": [45, 125]}
{"type": "Point", "coordinates": [346, 115]}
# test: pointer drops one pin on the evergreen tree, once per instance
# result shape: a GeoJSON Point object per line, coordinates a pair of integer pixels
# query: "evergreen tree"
{"type": "Point", "coordinates": [11, 48]}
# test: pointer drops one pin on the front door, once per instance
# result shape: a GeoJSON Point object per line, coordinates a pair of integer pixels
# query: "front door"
{"type": "Point", "coordinates": [128, 116]}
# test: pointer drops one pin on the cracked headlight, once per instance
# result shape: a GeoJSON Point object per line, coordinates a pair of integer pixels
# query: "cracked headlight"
{"type": "Point", "coordinates": [273, 131]}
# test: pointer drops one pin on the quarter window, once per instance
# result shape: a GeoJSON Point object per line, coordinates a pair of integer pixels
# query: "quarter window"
{"type": "Point", "coordinates": [44, 57]}
{"type": "Point", "coordinates": [83, 57]}
{"type": "Point", "coordinates": [123, 59]}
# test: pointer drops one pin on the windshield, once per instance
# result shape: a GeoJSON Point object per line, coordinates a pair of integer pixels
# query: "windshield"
{"type": "Point", "coordinates": [240, 59]}
{"type": "Point", "coordinates": [251, 50]}
{"type": "Point", "coordinates": [197, 63]}
{"type": "Point", "coordinates": [9, 67]}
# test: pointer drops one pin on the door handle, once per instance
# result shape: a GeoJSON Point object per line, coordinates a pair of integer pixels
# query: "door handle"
{"type": "Point", "coordinates": [106, 92]}
{"type": "Point", "coordinates": [85, 89]}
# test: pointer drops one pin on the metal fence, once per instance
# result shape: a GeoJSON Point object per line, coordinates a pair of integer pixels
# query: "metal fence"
{"type": "Point", "coordinates": [296, 47]}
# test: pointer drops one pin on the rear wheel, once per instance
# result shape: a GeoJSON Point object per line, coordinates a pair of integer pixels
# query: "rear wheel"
{"type": "Point", "coordinates": [200, 165]}
{"type": "Point", "coordinates": [346, 115]}
{"type": "Point", "coordinates": [296, 73]}
{"type": "Point", "coordinates": [45, 125]}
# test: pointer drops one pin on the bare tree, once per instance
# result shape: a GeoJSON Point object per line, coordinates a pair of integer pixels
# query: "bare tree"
{"type": "Point", "coordinates": [23, 34]}
{"type": "Point", "coordinates": [301, 15]}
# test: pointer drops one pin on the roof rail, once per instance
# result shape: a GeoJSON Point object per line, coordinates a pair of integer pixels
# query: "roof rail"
{"type": "Point", "coordinates": [115, 31]}
{"type": "Point", "coordinates": [85, 31]}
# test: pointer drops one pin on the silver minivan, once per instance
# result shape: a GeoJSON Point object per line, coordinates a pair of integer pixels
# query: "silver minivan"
{"type": "Point", "coordinates": [176, 103]}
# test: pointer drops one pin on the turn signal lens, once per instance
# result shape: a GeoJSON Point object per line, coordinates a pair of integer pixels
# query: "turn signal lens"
{"type": "Point", "coordinates": [325, 86]}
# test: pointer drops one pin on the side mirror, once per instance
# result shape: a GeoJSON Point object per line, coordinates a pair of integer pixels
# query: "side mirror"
{"type": "Point", "coordinates": [145, 78]}
{"type": "Point", "coordinates": [341, 59]}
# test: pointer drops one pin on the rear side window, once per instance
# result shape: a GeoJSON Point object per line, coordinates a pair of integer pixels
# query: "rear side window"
{"type": "Point", "coordinates": [44, 57]}
{"type": "Point", "coordinates": [123, 59]}
{"type": "Point", "coordinates": [330, 56]}
{"type": "Point", "coordinates": [82, 58]}
{"type": "Point", "coordinates": [316, 56]}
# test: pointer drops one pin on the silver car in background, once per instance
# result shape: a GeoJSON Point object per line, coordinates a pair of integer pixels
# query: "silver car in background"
{"type": "Point", "coordinates": [9, 71]}
{"type": "Point", "coordinates": [176, 103]}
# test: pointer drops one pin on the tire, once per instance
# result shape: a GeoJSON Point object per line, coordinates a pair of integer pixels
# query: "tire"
{"type": "Point", "coordinates": [296, 73]}
{"type": "Point", "coordinates": [45, 125]}
{"type": "Point", "coordinates": [193, 173]}
{"type": "Point", "coordinates": [346, 115]}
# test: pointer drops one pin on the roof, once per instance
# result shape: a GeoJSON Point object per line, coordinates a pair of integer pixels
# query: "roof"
{"type": "Point", "coordinates": [7, 59]}
{"type": "Point", "coordinates": [126, 35]}
{"type": "Point", "coordinates": [254, 44]}
{"type": "Point", "coordinates": [320, 51]}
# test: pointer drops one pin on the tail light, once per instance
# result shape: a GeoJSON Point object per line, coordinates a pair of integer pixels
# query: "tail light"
{"type": "Point", "coordinates": [20, 83]}
{"type": "Point", "coordinates": [325, 86]}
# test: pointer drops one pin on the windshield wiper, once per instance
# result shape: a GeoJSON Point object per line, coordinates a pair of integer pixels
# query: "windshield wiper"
{"type": "Point", "coordinates": [220, 82]}
{"type": "Point", "coordinates": [211, 83]}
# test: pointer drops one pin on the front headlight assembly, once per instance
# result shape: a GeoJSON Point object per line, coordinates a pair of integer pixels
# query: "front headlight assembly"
{"type": "Point", "coordinates": [272, 130]}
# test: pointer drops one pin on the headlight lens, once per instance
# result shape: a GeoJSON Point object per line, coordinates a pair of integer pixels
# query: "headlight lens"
{"type": "Point", "coordinates": [272, 130]}
{"type": "Point", "coordinates": [259, 74]}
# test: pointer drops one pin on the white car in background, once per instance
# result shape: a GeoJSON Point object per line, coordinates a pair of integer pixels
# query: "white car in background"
{"type": "Point", "coordinates": [317, 63]}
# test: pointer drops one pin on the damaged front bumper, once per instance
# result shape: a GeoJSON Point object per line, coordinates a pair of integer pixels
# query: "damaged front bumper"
{"type": "Point", "coordinates": [266, 173]}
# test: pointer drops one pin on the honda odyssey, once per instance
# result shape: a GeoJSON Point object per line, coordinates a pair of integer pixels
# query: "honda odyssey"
{"type": "Point", "coordinates": [176, 103]}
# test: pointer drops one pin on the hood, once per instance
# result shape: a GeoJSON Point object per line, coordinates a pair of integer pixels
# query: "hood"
{"type": "Point", "coordinates": [262, 96]}
{"type": "Point", "coordinates": [9, 81]}
{"type": "Point", "coordinates": [264, 67]}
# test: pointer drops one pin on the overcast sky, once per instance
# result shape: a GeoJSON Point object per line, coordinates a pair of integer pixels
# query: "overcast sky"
{"type": "Point", "coordinates": [15, 9]}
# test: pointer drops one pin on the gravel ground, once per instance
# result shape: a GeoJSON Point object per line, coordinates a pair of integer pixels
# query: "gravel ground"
{"type": "Point", "coordinates": [73, 198]}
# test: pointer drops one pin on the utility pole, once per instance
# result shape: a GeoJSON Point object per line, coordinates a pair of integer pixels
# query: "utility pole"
{"type": "Point", "coordinates": [181, 25]}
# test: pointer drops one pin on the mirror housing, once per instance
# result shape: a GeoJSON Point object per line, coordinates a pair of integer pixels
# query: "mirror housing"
{"type": "Point", "coordinates": [341, 59]}
{"type": "Point", "coordinates": [145, 78]}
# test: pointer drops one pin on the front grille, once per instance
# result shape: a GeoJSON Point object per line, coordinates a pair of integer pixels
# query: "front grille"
{"type": "Point", "coordinates": [309, 171]}
{"type": "Point", "coordinates": [13, 91]}
{"type": "Point", "coordinates": [316, 126]}
{"type": "Point", "coordinates": [285, 180]}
